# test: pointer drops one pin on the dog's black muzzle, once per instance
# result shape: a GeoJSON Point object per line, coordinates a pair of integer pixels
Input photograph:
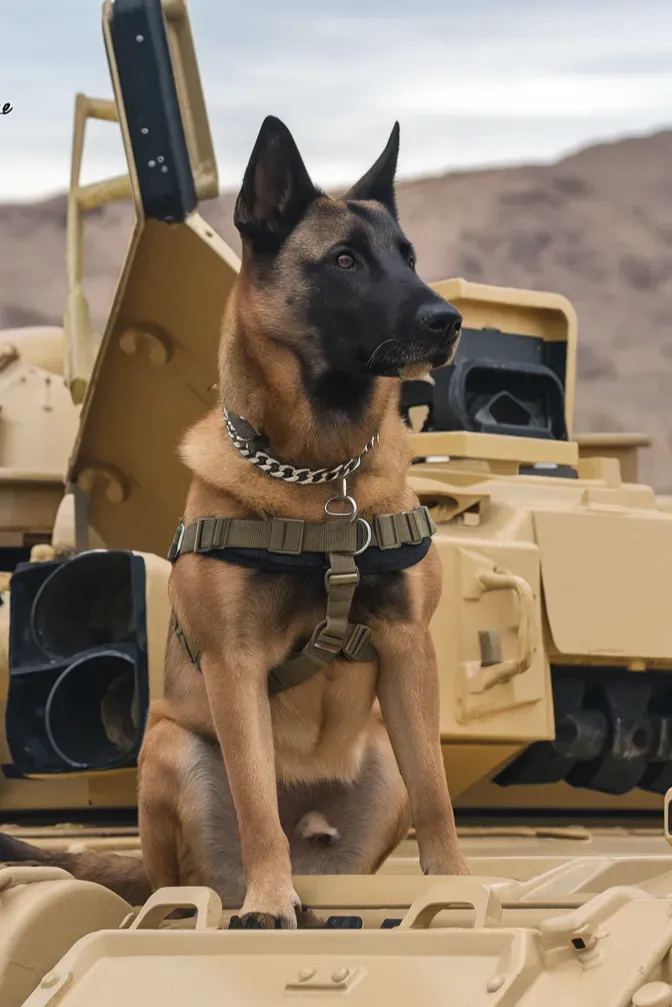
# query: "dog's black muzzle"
{"type": "Point", "coordinates": [434, 333]}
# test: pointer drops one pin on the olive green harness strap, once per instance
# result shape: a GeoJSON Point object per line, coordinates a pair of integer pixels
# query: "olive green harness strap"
{"type": "Point", "coordinates": [290, 537]}
{"type": "Point", "coordinates": [332, 637]}
{"type": "Point", "coordinates": [335, 636]}
{"type": "Point", "coordinates": [191, 654]}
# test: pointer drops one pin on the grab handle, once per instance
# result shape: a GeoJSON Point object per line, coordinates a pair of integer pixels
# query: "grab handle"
{"type": "Point", "coordinates": [450, 894]}
{"type": "Point", "coordinates": [205, 901]}
{"type": "Point", "coordinates": [503, 671]}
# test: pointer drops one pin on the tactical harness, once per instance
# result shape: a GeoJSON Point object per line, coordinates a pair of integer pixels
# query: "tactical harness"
{"type": "Point", "coordinates": [344, 547]}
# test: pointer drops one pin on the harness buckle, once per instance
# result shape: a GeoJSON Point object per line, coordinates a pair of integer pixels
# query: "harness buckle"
{"type": "Point", "coordinates": [431, 527]}
{"type": "Point", "coordinates": [176, 544]}
{"type": "Point", "coordinates": [286, 536]}
{"type": "Point", "coordinates": [322, 640]}
{"type": "Point", "coordinates": [340, 579]}
{"type": "Point", "coordinates": [201, 526]}
{"type": "Point", "coordinates": [356, 643]}
{"type": "Point", "coordinates": [414, 527]}
{"type": "Point", "coordinates": [386, 532]}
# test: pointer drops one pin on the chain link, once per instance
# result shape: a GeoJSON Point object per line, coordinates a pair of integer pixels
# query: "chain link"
{"type": "Point", "coordinates": [288, 473]}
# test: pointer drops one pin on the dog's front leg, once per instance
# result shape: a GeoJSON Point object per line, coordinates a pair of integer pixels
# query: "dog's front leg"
{"type": "Point", "coordinates": [240, 708]}
{"type": "Point", "coordinates": [408, 690]}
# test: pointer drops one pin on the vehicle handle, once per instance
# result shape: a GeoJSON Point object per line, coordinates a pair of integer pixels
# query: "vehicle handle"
{"type": "Point", "coordinates": [504, 580]}
{"type": "Point", "coordinates": [451, 894]}
{"type": "Point", "coordinates": [205, 901]}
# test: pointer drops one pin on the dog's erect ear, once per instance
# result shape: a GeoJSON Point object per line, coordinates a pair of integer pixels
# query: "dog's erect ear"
{"type": "Point", "coordinates": [276, 189]}
{"type": "Point", "coordinates": [378, 182]}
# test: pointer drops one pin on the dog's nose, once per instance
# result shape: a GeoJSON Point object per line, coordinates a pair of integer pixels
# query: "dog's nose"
{"type": "Point", "coordinates": [440, 320]}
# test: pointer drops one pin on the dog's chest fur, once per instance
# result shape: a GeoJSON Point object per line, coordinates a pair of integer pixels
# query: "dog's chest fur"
{"type": "Point", "coordinates": [382, 596]}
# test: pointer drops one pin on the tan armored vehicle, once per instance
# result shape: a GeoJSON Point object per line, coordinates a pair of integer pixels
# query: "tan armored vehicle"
{"type": "Point", "coordinates": [38, 423]}
{"type": "Point", "coordinates": [550, 635]}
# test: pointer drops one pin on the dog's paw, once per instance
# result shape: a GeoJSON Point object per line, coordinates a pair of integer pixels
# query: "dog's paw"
{"type": "Point", "coordinates": [306, 918]}
{"type": "Point", "coordinates": [439, 849]}
{"type": "Point", "coordinates": [268, 910]}
{"type": "Point", "coordinates": [261, 921]}
{"type": "Point", "coordinates": [453, 865]}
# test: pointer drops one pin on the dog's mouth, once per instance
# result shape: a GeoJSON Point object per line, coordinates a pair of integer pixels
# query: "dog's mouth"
{"type": "Point", "coordinates": [406, 359]}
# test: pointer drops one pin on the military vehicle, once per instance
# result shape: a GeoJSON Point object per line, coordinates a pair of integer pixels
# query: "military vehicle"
{"type": "Point", "coordinates": [38, 422]}
{"type": "Point", "coordinates": [555, 704]}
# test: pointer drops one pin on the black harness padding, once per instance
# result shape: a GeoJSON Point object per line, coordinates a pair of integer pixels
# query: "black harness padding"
{"type": "Point", "coordinates": [374, 560]}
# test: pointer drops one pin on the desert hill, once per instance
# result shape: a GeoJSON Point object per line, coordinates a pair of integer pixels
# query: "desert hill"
{"type": "Point", "coordinates": [595, 226]}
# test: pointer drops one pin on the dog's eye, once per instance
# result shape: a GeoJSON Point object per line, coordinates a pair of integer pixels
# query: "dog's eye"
{"type": "Point", "coordinates": [345, 261]}
{"type": "Point", "coordinates": [411, 262]}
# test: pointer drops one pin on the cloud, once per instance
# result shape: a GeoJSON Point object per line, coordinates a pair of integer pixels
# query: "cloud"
{"type": "Point", "coordinates": [582, 96]}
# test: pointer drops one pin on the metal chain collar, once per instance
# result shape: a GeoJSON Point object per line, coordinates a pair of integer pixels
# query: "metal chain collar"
{"type": "Point", "coordinates": [245, 445]}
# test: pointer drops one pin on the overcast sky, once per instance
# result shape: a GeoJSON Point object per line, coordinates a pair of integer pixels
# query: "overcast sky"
{"type": "Point", "coordinates": [473, 82]}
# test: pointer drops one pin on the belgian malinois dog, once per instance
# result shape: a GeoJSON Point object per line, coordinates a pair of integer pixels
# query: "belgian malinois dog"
{"type": "Point", "coordinates": [239, 790]}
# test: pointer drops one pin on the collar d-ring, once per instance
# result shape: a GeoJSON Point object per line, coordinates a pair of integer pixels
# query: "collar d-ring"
{"type": "Point", "coordinates": [369, 535]}
{"type": "Point", "coordinates": [344, 498]}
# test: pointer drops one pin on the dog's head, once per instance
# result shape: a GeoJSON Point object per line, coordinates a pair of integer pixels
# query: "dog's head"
{"type": "Point", "coordinates": [335, 280]}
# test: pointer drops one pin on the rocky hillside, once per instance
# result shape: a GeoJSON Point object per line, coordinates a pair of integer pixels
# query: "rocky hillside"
{"type": "Point", "coordinates": [596, 227]}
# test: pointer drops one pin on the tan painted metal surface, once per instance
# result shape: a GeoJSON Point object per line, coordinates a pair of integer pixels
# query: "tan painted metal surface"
{"type": "Point", "coordinates": [43, 912]}
{"type": "Point", "coordinates": [592, 589]}
{"type": "Point", "coordinates": [593, 908]}
{"type": "Point", "coordinates": [556, 936]}
{"type": "Point", "coordinates": [37, 429]}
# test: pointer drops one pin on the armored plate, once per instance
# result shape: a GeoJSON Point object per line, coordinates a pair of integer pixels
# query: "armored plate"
{"type": "Point", "coordinates": [156, 366]}
{"type": "Point", "coordinates": [154, 376]}
{"type": "Point", "coordinates": [507, 943]}
{"type": "Point", "coordinates": [623, 555]}
{"type": "Point", "coordinates": [550, 886]}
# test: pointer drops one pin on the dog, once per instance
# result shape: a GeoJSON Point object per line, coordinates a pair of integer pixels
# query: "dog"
{"type": "Point", "coordinates": [241, 787]}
